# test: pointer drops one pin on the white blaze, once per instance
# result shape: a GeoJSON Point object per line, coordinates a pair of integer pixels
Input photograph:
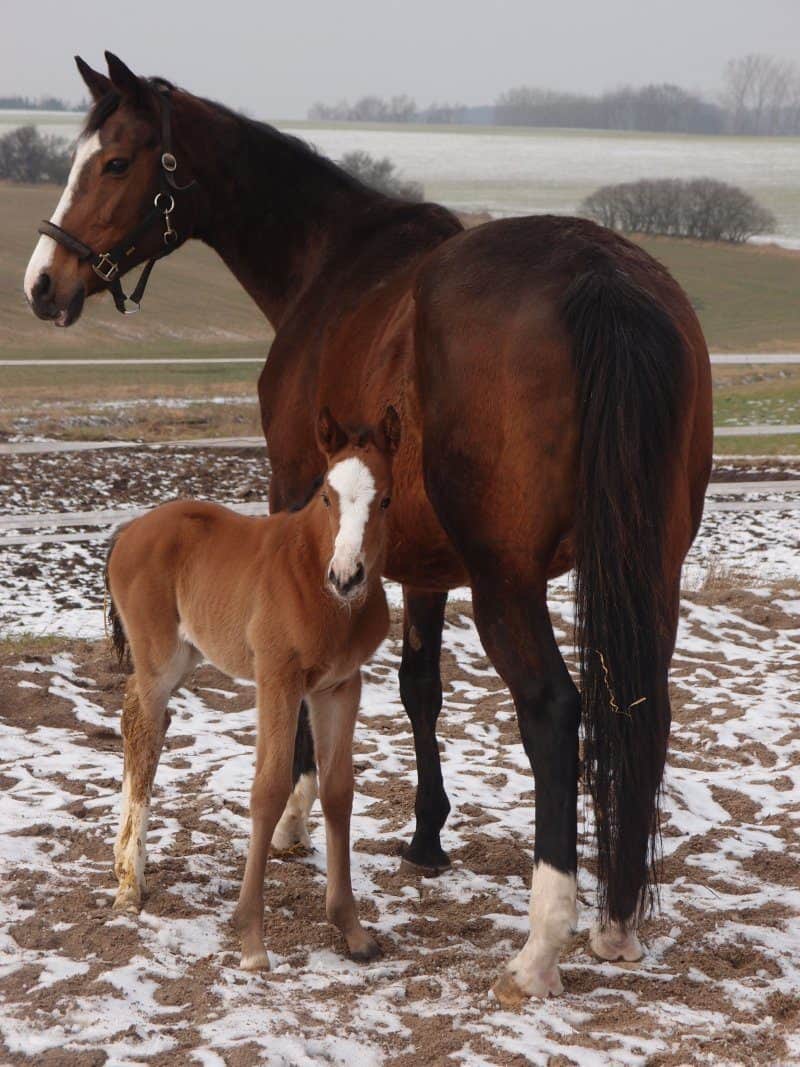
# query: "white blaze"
{"type": "Point", "coordinates": [353, 481]}
{"type": "Point", "coordinates": [42, 257]}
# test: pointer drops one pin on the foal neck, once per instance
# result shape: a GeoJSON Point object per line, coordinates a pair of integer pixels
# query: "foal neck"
{"type": "Point", "coordinates": [269, 205]}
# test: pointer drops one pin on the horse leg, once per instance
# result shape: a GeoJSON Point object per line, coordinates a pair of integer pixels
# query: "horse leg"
{"type": "Point", "coordinates": [421, 693]}
{"type": "Point", "coordinates": [292, 829]}
{"type": "Point", "coordinates": [333, 718]}
{"type": "Point", "coordinates": [516, 631]}
{"type": "Point", "coordinates": [278, 708]}
{"type": "Point", "coordinates": [144, 725]}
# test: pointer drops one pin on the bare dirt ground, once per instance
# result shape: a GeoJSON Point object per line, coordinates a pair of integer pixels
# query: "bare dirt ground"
{"type": "Point", "coordinates": [81, 985]}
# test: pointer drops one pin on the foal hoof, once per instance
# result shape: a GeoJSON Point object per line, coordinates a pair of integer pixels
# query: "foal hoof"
{"type": "Point", "coordinates": [255, 961]}
{"type": "Point", "coordinates": [370, 950]}
{"type": "Point", "coordinates": [128, 898]}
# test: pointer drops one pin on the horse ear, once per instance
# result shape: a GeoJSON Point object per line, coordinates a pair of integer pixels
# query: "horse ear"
{"type": "Point", "coordinates": [390, 428]}
{"type": "Point", "coordinates": [331, 438]}
{"type": "Point", "coordinates": [97, 84]}
{"type": "Point", "coordinates": [124, 79]}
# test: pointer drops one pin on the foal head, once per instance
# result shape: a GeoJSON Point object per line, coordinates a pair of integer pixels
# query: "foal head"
{"type": "Point", "coordinates": [356, 492]}
{"type": "Point", "coordinates": [113, 184]}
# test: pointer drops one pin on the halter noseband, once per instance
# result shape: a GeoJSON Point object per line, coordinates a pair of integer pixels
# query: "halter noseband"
{"type": "Point", "coordinates": [111, 265]}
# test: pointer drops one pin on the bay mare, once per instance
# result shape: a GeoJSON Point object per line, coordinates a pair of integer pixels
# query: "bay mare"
{"type": "Point", "coordinates": [555, 392]}
{"type": "Point", "coordinates": [295, 603]}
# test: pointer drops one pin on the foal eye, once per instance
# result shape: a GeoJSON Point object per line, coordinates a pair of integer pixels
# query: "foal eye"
{"type": "Point", "coordinates": [116, 166]}
{"type": "Point", "coordinates": [326, 500]}
{"type": "Point", "coordinates": [385, 502]}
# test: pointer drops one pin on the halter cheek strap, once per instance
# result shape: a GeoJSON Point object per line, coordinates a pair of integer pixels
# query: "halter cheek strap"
{"type": "Point", "coordinates": [111, 265]}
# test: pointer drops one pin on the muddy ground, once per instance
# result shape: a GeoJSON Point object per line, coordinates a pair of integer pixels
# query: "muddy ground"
{"type": "Point", "coordinates": [82, 985]}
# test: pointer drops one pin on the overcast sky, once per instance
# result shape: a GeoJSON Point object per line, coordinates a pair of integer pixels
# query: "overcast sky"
{"type": "Point", "coordinates": [276, 59]}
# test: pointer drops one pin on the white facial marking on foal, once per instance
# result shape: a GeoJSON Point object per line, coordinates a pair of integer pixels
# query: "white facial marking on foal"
{"type": "Point", "coordinates": [553, 917]}
{"type": "Point", "coordinates": [42, 256]}
{"type": "Point", "coordinates": [352, 479]}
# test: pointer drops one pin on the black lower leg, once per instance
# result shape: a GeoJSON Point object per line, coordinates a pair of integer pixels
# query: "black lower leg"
{"type": "Point", "coordinates": [421, 693]}
{"type": "Point", "coordinates": [304, 759]}
{"type": "Point", "coordinates": [518, 636]}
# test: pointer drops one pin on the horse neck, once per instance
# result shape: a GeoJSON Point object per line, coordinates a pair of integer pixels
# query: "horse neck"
{"type": "Point", "coordinates": [268, 205]}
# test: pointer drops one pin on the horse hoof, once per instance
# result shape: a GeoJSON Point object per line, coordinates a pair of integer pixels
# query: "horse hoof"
{"type": "Point", "coordinates": [128, 898]}
{"type": "Point", "coordinates": [256, 961]}
{"type": "Point", "coordinates": [507, 992]}
{"type": "Point", "coordinates": [615, 944]}
{"type": "Point", "coordinates": [417, 870]}
{"type": "Point", "coordinates": [428, 864]}
{"type": "Point", "coordinates": [541, 984]}
{"type": "Point", "coordinates": [371, 950]}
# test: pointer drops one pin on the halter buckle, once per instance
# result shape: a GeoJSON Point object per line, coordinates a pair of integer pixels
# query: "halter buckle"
{"type": "Point", "coordinates": [105, 267]}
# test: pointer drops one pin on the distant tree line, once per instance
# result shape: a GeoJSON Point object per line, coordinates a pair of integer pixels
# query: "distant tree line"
{"type": "Point", "coordinates": [392, 109]}
{"type": "Point", "coordinates": [760, 95]}
{"type": "Point", "coordinates": [703, 208]}
{"type": "Point", "coordinates": [41, 103]}
{"type": "Point", "coordinates": [28, 156]}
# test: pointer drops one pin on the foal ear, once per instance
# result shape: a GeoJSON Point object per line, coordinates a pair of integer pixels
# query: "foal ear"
{"type": "Point", "coordinates": [390, 428]}
{"type": "Point", "coordinates": [97, 84]}
{"type": "Point", "coordinates": [331, 438]}
{"type": "Point", "coordinates": [124, 79]}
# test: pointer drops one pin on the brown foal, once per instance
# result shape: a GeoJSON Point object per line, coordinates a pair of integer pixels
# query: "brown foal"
{"type": "Point", "coordinates": [294, 602]}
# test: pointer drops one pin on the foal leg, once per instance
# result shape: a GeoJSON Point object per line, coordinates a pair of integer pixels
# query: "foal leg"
{"type": "Point", "coordinates": [292, 828]}
{"type": "Point", "coordinates": [333, 717]}
{"type": "Point", "coordinates": [144, 725]}
{"type": "Point", "coordinates": [278, 707]}
{"type": "Point", "coordinates": [421, 693]}
{"type": "Point", "coordinates": [516, 631]}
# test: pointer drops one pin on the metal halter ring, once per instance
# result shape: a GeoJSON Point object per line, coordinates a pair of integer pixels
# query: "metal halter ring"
{"type": "Point", "coordinates": [171, 206]}
{"type": "Point", "coordinates": [169, 162]}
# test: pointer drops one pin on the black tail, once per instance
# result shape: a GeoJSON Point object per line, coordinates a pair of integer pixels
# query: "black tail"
{"type": "Point", "coordinates": [630, 361]}
{"type": "Point", "coordinates": [115, 628]}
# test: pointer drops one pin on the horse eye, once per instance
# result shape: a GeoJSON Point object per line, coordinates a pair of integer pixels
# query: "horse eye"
{"type": "Point", "coordinates": [385, 502]}
{"type": "Point", "coordinates": [116, 166]}
{"type": "Point", "coordinates": [326, 500]}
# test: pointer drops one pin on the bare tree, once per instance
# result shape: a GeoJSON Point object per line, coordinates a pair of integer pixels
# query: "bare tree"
{"type": "Point", "coordinates": [759, 89]}
{"type": "Point", "coordinates": [27, 156]}
{"type": "Point", "coordinates": [380, 174]}
{"type": "Point", "coordinates": [702, 208]}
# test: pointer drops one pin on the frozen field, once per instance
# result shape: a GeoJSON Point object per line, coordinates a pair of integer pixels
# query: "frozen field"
{"type": "Point", "coordinates": [517, 171]}
{"type": "Point", "coordinates": [80, 985]}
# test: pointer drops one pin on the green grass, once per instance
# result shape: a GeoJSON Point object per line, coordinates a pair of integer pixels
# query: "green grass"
{"type": "Point", "coordinates": [746, 297]}
{"type": "Point", "coordinates": [777, 445]}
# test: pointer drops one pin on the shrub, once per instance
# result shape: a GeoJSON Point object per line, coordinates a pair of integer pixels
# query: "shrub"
{"type": "Point", "coordinates": [703, 208]}
{"type": "Point", "coordinates": [27, 156]}
{"type": "Point", "coordinates": [380, 174]}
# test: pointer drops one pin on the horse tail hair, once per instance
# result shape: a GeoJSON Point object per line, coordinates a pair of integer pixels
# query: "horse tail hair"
{"type": "Point", "coordinates": [630, 358]}
{"type": "Point", "coordinates": [114, 627]}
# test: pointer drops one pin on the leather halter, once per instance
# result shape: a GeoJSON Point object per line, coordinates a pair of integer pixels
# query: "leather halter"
{"type": "Point", "coordinates": [111, 265]}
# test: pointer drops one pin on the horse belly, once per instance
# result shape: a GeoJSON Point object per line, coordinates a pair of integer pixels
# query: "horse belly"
{"type": "Point", "coordinates": [228, 652]}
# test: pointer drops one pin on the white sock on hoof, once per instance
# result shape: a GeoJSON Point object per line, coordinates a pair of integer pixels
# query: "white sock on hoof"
{"type": "Point", "coordinates": [553, 916]}
{"type": "Point", "coordinates": [292, 828]}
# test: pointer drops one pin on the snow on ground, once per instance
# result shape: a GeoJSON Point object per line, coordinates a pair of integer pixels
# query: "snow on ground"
{"type": "Point", "coordinates": [719, 984]}
{"type": "Point", "coordinates": [82, 985]}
